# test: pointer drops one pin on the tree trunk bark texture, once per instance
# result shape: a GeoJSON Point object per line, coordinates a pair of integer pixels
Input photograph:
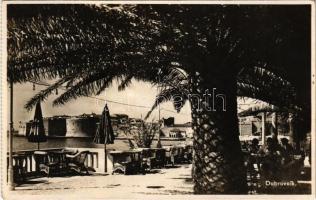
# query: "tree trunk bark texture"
{"type": "Point", "coordinates": [218, 166]}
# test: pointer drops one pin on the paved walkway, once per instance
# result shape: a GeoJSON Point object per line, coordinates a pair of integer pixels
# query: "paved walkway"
{"type": "Point", "coordinates": [160, 182]}
{"type": "Point", "coordinates": [166, 181]}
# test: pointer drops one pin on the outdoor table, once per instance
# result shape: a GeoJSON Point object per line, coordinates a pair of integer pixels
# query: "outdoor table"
{"type": "Point", "coordinates": [127, 162]}
{"type": "Point", "coordinates": [40, 152]}
{"type": "Point", "coordinates": [58, 157]}
{"type": "Point", "coordinates": [157, 158]}
{"type": "Point", "coordinates": [51, 162]}
{"type": "Point", "coordinates": [70, 152]}
{"type": "Point", "coordinates": [41, 157]}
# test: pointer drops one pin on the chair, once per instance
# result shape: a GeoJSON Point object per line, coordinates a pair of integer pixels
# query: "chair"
{"type": "Point", "coordinates": [160, 156]}
{"type": "Point", "coordinates": [157, 158]}
{"type": "Point", "coordinates": [169, 156]}
{"type": "Point", "coordinates": [76, 162]}
{"type": "Point", "coordinates": [188, 153]}
{"type": "Point", "coordinates": [52, 162]}
{"type": "Point", "coordinates": [128, 162]}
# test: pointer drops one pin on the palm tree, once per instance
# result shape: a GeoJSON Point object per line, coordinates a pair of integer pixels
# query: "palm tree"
{"type": "Point", "coordinates": [86, 47]}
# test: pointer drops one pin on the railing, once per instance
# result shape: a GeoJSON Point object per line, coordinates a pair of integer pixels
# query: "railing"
{"type": "Point", "coordinates": [26, 164]}
{"type": "Point", "coordinates": [26, 160]}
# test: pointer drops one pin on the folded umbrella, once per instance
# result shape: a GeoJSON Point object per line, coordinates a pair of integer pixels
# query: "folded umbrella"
{"type": "Point", "coordinates": [37, 132]}
{"type": "Point", "coordinates": [104, 134]}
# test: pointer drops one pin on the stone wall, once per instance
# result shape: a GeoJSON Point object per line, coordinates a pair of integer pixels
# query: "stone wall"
{"type": "Point", "coordinates": [81, 127]}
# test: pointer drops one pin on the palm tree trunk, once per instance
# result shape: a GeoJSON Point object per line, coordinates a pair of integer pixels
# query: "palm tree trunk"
{"type": "Point", "coordinates": [218, 166]}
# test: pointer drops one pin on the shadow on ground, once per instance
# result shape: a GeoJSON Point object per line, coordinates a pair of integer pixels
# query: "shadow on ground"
{"type": "Point", "coordinates": [172, 167]}
{"type": "Point", "coordinates": [186, 180]}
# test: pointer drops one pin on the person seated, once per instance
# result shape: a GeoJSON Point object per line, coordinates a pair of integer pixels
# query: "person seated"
{"type": "Point", "coordinates": [244, 146]}
{"type": "Point", "coordinates": [254, 146]}
{"type": "Point", "coordinates": [292, 161]}
{"type": "Point", "coordinates": [271, 159]}
{"type": "Point", "coordinates": [287, 151]}
{"type": "Point", "coordinates": [272, 148]}
{"type": "Point", "coordinates": [253, 152]}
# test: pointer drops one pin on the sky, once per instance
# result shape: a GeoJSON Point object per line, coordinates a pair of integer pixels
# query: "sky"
{"type": "Point", "coordinates": [138, 93]}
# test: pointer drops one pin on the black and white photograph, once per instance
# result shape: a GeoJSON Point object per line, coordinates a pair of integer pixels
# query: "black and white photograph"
{"type": "Point", "coordinates": [131, 100]}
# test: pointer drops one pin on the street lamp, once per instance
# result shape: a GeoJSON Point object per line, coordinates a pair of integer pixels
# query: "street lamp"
{"type": "Point", "coordinates": [159, 122]}
{"type": "Point", "coordinates": [10, 169]}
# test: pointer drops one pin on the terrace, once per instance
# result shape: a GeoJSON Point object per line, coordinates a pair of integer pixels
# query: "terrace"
{"type": "Point", "coordinates": [171, 179]}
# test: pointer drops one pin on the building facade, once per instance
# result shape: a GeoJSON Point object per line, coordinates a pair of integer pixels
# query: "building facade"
{"type": "Point", "coordinates": [171, 130]}
{"type": "Point", "coordinates": [84, 125]}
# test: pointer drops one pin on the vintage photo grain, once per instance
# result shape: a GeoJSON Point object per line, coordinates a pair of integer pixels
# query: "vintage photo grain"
{"type": "Point", "coordinates": [137, 99]}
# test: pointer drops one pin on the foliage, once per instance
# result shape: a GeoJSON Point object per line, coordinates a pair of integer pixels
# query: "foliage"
{"type": "Point", "coordinates": [144, 135]}
{"type": "Point", "coordinates": [86, 47]}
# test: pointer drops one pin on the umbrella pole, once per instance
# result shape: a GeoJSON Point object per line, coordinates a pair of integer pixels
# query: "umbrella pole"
{"type": "Point", "coordinates": [105, 141]}
{"type": "Point", "coordinates": [105, 158]}
{"type": "Point", "coordinates": [37, 134]}
{"type": "Point", "coordinates": [263, 129]}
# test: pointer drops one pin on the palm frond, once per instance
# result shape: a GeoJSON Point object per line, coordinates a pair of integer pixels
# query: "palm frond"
{"type": "Point", "coordinates": [90, 85]}
{"type": "Point", "coordinates": [177, 96]}
{"type": "Point", "coordinates": [260, 83]}
{"type": "Point", "coordinates": [125, 83]}
{"type": "Point", "coordinates": [102, 42]}
{"type": "Point", "coordinates": [43, 94]}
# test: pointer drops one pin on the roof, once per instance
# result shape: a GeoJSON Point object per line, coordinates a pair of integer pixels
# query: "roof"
{"type": "Point", "coordinates": [120, 115]}
{"type": "Point", "coordinates": [254, 110]}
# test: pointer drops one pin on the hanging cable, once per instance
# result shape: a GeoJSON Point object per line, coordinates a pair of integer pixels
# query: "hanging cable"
{"type": "Point", "coordinates": [107, 100]}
